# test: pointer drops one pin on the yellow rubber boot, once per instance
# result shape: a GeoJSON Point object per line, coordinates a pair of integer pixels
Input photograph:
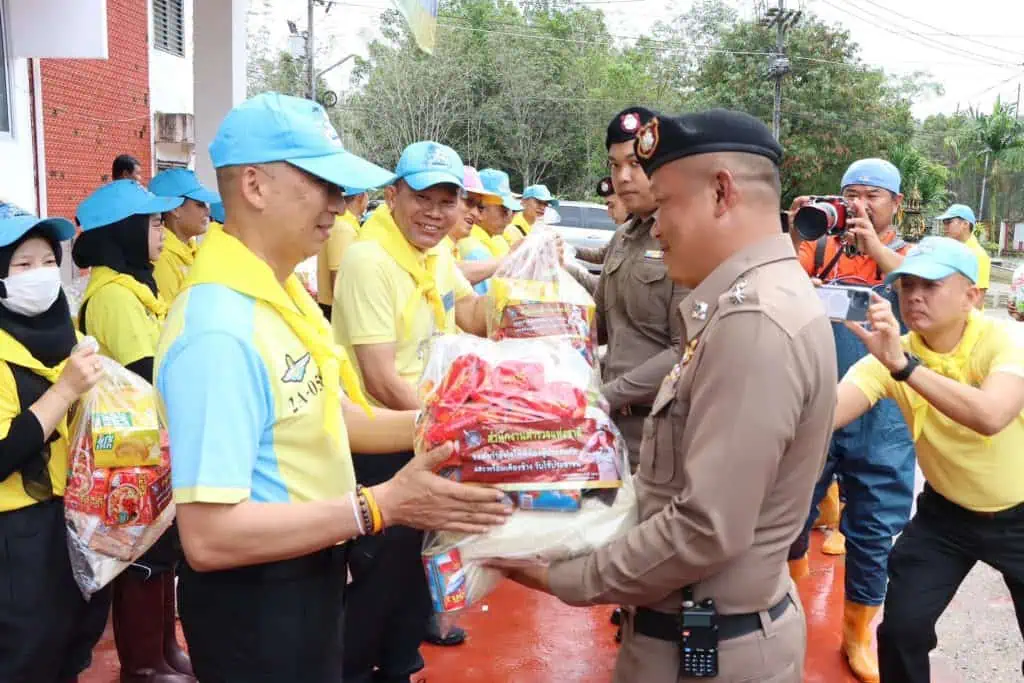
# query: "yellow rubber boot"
{"type": "Point", "coordinates": [835, 543]}
{"type": "Point", "coordinates": [799, 568]}
{"type": "Point", "coordinates": [828, 510]}
{"type": "Point", "coordinates": [857, 646]}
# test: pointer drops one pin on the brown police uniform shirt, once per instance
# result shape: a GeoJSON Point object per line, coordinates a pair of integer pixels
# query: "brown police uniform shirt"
{"type": "Point", "coordinates": [731, 452]}
{"type": "Point", "coordinates": [637, 313]}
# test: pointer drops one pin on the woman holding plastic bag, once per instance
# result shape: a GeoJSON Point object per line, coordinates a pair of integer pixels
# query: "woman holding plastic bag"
{"type": "Point", "coordinates": [122, 237]}
{"type": "Point", "coordinates": [49, 629]}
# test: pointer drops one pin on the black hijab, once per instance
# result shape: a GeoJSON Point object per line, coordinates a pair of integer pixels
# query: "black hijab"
{"type": "Point", "coordinates": [49, 336]}
{"type": "Point", "coordinates": [122, 246]}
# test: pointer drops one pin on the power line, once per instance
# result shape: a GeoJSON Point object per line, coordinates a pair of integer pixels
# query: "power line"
{"type": "Point", "coordinates": [879, 22]}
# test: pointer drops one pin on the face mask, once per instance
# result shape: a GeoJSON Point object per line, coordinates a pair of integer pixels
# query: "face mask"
{"type": "Point", "coordinates": [32, 292]}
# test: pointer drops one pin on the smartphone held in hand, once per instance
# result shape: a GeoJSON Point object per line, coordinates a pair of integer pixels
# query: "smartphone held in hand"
{"type": "Point", "coordinates": [845, 302]}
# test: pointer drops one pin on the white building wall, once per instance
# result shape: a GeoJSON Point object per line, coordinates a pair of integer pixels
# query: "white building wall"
{"type": "Point", "coordinates": [172, 85]}
{"type": "Point", "coordinates": [17, 156]}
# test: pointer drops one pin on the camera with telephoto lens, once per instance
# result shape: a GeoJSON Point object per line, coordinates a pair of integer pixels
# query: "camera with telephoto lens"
{"type": "Point", "coordinates": [822, 216]}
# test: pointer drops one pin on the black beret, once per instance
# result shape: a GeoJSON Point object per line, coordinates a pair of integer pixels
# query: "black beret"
{"type": "Point", "coordinates": [667, 138]}
{"type": "Point", "coordinates": [626, 123]}
{"type": "Point", "coordinates": [605, 187]}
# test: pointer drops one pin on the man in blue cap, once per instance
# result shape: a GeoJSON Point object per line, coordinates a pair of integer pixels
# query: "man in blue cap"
{"type": "Point", "coordinates": [397, 287]}
{"type": "Point", "coordinates": [496, 212]}
{"type": "Point", "coordinates": [958, 377]}
{"type": "Point", "coordinates": [873, 457]}
{"type": "Point", "coordinates": [262, 409]}
{"type": "Point", "coordinates": [535, 200]}
{"type": "Point", "coordinates": [958, 222]}
{"type": "Point", "coordinates": [182, 226]}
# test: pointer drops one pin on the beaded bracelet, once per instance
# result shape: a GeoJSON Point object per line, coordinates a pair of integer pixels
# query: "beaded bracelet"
{"type": "Point", "coordinates": [357, 514]}
{"type": "Point", "coordinates": [364, 510]}
{"type": "Point", "coordinates": [371, 511]}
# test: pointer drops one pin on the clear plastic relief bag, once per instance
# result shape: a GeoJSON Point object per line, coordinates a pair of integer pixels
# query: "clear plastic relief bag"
{"type": "Point", "coordinates": [526, 416]}
{"type": "Point", "coordinates": [117, 502]}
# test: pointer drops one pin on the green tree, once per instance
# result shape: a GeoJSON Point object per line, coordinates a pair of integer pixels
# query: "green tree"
{"type": "Point", "coordinates": [835, 109]}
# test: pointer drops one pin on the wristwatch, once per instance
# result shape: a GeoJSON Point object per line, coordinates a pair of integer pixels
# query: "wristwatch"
{"type": "Point", "coordinates": [904, 374]}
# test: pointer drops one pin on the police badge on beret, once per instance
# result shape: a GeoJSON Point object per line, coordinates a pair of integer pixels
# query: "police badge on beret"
{"type": "Point", "coordinates": [647, 139]}
{"type": "Point", "coordinates": [604, 188]}
{"type": "Point", "coordinates": [629, 122]}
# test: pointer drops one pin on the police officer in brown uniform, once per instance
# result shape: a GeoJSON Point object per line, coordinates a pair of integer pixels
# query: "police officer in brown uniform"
{"type": "Point", "coordinates": [739, 429]}
{"type": "Point", "coordinates": [637, 304]}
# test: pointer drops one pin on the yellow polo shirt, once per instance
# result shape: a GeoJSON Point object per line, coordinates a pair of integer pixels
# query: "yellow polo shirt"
{"type": "Point", "coordinates": [984, 261]}
{"type": "Point", "coordinates": [126, 330]}
{"type": "Point", "coordinates": [517, 229]}
{"type": "Point", "coordinates": [171, 268]}
{"type": "Point", "coordinates": [975, 472]}
{"type": "Point", "coordinates": [343, 234]}
{"type": "Point", "coordinates": [499, 245]}
{"type": "Point", "coordinates": [371, 297]}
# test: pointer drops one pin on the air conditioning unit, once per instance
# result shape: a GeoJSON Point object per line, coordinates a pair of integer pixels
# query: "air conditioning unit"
{"type": "Point", "coordinates": [179, 128]}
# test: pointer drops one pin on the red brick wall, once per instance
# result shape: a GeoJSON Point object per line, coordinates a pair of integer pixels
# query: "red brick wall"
{"type": "Point", "coordinates": [95, 109]}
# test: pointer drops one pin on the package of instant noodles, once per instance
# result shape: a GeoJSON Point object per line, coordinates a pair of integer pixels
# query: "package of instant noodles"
{"type": "Point", "coordinates": [118, 497]}
{"type": "Point", "coordinates": [532, 295]}
{"type": "Point", "coordinates": [525, 416]}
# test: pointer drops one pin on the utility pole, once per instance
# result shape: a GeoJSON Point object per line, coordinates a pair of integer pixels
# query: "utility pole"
{"type": "Point", "coordinates": [309, 51]}
{"type": "Point", "coordinates": [782, 19]}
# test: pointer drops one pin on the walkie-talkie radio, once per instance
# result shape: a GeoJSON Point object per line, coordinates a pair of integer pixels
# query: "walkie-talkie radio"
{"type": "Point", "coordinates": [698, 638]}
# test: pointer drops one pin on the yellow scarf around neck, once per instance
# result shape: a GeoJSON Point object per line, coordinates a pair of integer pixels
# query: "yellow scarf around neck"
{"type": "Point", "coordinates": [382, 229]}
{"type": "Point", "coordinates": [485, 239]}
{"type": "Point", "coordinates": [224, 260]}
{"type": "Point", "coordinates": [185, 251]}
{"type": "Point", "coordinates": [101, 276]}
{"type": "Point", "coordinates": [952, 365]}
{"type": "Point", "coordinates": [12, 351]}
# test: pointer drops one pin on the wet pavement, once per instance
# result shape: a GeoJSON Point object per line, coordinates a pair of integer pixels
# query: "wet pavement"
{"type": "Point", "coordinates": [519, 636]}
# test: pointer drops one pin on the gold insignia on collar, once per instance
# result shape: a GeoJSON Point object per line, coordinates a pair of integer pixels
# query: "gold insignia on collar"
{"type": "Point", "coordinates": [700, 311]}
{"type": "Point", "coordinates": [647, 139]}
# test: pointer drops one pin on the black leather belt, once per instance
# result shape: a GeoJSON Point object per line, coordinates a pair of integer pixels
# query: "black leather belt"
{"type": "Point", "coordinates": [638, 411]}
{"type": "Point", "coordinates": [654, 624]}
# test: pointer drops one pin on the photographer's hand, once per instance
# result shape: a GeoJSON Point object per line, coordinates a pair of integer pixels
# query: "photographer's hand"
{"type": "Point", "coordinates": [883, 338]}
{"type": "Point", "coordinates": [868, 241]}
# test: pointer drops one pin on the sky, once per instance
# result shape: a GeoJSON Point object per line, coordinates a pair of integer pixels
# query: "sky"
{"type": "Point", "coordinates": [974, 49]}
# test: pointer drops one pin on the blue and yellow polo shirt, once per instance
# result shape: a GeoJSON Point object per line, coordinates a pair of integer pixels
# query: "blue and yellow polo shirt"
{"type": "Point", "coordinates": [243, 401]}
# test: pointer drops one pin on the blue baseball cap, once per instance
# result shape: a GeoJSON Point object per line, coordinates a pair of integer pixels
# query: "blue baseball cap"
{"type": "Point", "coordinates": [497, 183]}
{"type": "Point", "coordinates": [540, 193]}
{"type": "Point", "coordinates": [217, 212]}
{"type": "Point", "coordinates": [274, 127]}
{"type": "Point", "coordinates": [935, 258]}
{"type": "Point", "coordinates": [116, 201]}
{"type": "Point", "coordinates": [181, 182]}
{"type": "Point", "coordinates": [958, 211]}
{"type": "Point", "coordinates": [873, 173]}
{"type": "Point", "coordinates": [15, 222]}
{"type": "Point", "coordinates": [427, 163]}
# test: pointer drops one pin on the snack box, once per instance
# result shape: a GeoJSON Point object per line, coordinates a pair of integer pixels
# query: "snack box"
{"type": "Point", "coordinates": [125, 430]}
{"type": "Point", "coordinates": [447, 580]}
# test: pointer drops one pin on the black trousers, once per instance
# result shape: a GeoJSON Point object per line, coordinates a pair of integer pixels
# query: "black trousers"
{"type": "Point", "coordinates": [326, 308]}
{"type": "Point", "coordinates": [281, 621]}
{"type": "Point", "coordinates": [930, 560]}
{"type": "Point", "coordinates": [47, 629]}
{"type": "Point", "coordinates": [388, 603]}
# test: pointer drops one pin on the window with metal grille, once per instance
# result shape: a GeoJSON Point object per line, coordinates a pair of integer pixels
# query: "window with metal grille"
{"type": "Point", "coordinates": [169, 26]}
{"type": "Point", "coordinates": [5, 83]}
{"type": "Point", "coordinates": [164, 164]}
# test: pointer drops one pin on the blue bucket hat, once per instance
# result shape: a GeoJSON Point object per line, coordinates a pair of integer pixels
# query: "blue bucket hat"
{"type": "Point", "coordinates": [181, 182]}
{"type": "Point", "coordinates": [540, 193]}
{"type": "Point", "coordinates": [958, 211]}
{"type": "Point", "coordinates": [496, 182]}
{"type": "Point", "coordinates": [426, 164]}
{"type": "Point", "coordinates": [118, 200]}
{"type": "Point", "coordinates": [217, 212]}
{"type": "Point", "coordinates": [15, 222]}
{"type": "Point", "coordinates": [274, 127]}
{"type": "Point", "coordinates": [873, 173]}
{"type": "Point", "coordinates": [935, 258]}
